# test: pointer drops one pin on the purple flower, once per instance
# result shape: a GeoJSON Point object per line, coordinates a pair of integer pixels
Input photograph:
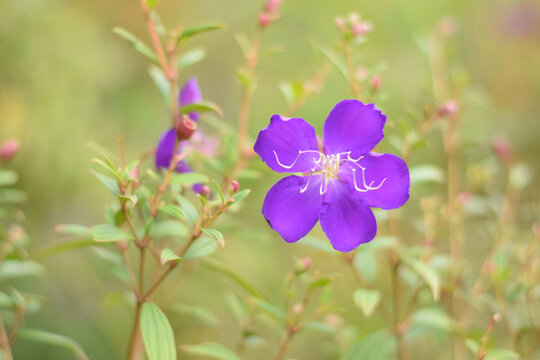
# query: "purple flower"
{"type": "Point", "coordinates": [338, 184]}
{"type": "Point", "coordinates": [190, 93]}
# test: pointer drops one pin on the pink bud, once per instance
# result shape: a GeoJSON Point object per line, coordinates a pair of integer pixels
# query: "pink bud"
{"type": "Point", "coordinates": [185, 128]}
{"type": "Point", "coordinates": [272, 6]}
{"type": "Point", "coordinates": [234, 187]}
{"type": "Point", "coordinates": [449, 108]}
{"type": "Point", "coordinates": [340, 23]}
{"type": "Point", "coordinates": [334, 320]}
{"type": "Point", "coordinates": [464, 197]}
{"type": "Point", "coordinates": [375, 83]}
{"type": "Point", "coordinates": [361, 29]}
{"type": "Point", "coordinates": [361, 73]}
{"type": "Point", "coordinates": [503, 149]}
{"type": "Point", "coordinates": [298, 309]}
{"type": "Point", "coordinates": [264, 19]}
{"type": "Point", "coordinates": [302, 265]}
{"type": "Point", "coordinates": [205, 191]}
{"type": "Point", "coordinates": [8, 150]}
{"type": "Point", "coordinates": [353, 18]}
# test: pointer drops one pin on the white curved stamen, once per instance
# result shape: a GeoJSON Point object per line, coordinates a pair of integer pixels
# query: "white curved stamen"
{"type": "Point", "coordinates": [300, 152]}
{"type": "Point", "coordinates": [366, 186]}
{"type": "Point", "coordinates": [328, 166]}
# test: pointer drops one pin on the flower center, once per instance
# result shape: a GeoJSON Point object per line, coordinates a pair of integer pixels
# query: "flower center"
{"type": "Point", "coordinates": [328, 167]}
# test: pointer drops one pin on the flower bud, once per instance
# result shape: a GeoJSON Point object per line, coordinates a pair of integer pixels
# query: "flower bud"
{"type": "Point", "coordinates": [234, 187]}
{"type": "Point", "coordinates": [361, 29]}
{"type": "Point", "coordinates": [185, 128]}
{"type": "Point", "coordinates": [8, 150]}
{"type": "Point", "coordinates": [503, 149]}
{"type": "Point", "coordinates": [375, 83]}
{"type": "Point", "coordinates": [448, 109]}
{"type": "Point", "coordinates": [302, 266]}
{"type": "Point", "coordinates": [205, 191]}
{"type": "Point", "coordinates": [134, 175]}
{"type": "Point", "coordinates": [272, 6]}
{"type": "Point", "coordinates": [340, 23]}
{"type": "Point", "coordinates": [264, 20]}
{"type": "Point", "coordinates": [298, 309]}
{"type": "Point", "coordinates": [334, 321]}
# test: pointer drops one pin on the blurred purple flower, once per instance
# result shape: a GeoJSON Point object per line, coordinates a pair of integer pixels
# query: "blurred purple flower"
{"type": "Point", "coordinates": [189, 94]}
{"type": "Point", "coordinates": [340, 183]}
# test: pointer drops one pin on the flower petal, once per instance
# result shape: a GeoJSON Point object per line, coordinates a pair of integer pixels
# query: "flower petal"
{"type": "Point", "coordinates": [387, 174]}
{"type": "Point", "coordinates": [353, 126]}
{"type": "Point", "coordinates": [345, 219]}
{"type": "Point", "coordinates": [164, 152]}
{"type": "Point", "coordinates": [190, 94]}
{"type": "Point", "coordinates": [279, 145]}
{"type": "Point", "coordinates": [289, 211]}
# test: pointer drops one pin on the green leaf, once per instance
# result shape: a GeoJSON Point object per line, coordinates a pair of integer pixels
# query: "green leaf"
{"type": "Point", "coordinates": [137, 44]}
{"type": "Point", "coordinates": [130, 199]}
{"type": "Point", "coordinates": [12, 269]}
{"type": "Point", "coordinates": [241, 195]}
{"type": "Point", "coordinates": [12, 196]}
{"type": "Point", "coordinates": [336, 61]}
{"type": "Point", "coordinates": [216, 235]}
{"type": "Point", "coordinates": [72, 229]}
{"type": "Point", "coordinates": [191, 213]}
{"type": "Point", "coordinates": [161, 82]}
{"type": "Point", "coordinates": [426, 173]}
{"type": "Point", "coordinates": [198, 29]}
{"type": "Point", "coordinates": [8, 177]}
{"type": "Point", "coordinates": [211, 349]}
{"type": "Point", "coordinates": [168, 255]}
{"type": "Point", "coordinates": [473, 346]}
{"type": "Point", "coordinates": [272, 310]}
{"type": "Point", "coordinates": [107, 165]}
{"type": "Point", "coordinates": [191, 57]}
{"type": "Point", "coordinates": [291, 90]}
{"type": "Point", "coordinates": [189, 178]}
{"type": "Point", "coordinates": [375, 346]}
{"type": "Point", "coordinates": [197, 312]}
{"type": "Point", "coordinates": [429, 275]}
{"type": "Point", "coordinates": [319, 282]}
{"type": "Point", "coordinates": [173, 210]}
{"type": "Point", "coordinates": [169, 228]}
{"type": "Point", "coordinates": [223, 269]}
{"type": "Point", "coordinates": [317, 244]}
{"type": "Point", "coordinates": [109, 182]}
{"type": "Point", "coordinates": [364, 263]}
{"type": "Point", "coordinates": [220, 192]}
{"type": "Point", "coordinates": [501, 354]}
{"type": "Point", "coordinates": [152, 3]}
{"type": "Point", "coordinates": [157, 333]}
{"type": "Point", "coordinates": [433, 318]}
{"type": "Point", "coordinates": [203, 106]}
{"type": "Point", "coordinates": [109, 233]}
{"type": "Point", "coordinates": [244, 42]}
{"type": "Point", "coordinates": [367, 300]}
{"type": "Point", "coordinates": [66, 246]}
{"type": "Point", "coordinates": [201, 247]}
{"type": "Point", "coordinates": [49, 338]}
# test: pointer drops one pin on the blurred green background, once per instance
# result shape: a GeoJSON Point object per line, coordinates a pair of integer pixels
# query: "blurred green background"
{"type": "Point", "coordinates": [66, 80]}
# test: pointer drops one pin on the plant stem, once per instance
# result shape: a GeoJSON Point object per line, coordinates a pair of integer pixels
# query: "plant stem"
{"type": "Point", "coordinates": [135, 330]}
{"type": "Point", "coordinates": [396, 297]}
{"type": "Point", "coordinates": [355, 87]}
{"type": "Point", "coordinates": [155, 39]}
{"type": "Point", "coordinates": [243, 119]}
{"type": "Point", "coordinates": [4, 341]}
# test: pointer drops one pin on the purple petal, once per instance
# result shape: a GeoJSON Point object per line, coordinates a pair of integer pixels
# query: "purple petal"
{"type": "Point", "coordinates": [386, 174]}
{"type": "Point", "coordinates": [279, 145]}
{"type": "Point", "coordinates": [190, 94]}
{"type": "Point", "coordinates": [290, 212]}
{"type": "Point", "coordinates": [353, 126]}
{"type": "Point", "coordinates": [165, 150]}
{"type": "Point", "coordinates": [345, 219]}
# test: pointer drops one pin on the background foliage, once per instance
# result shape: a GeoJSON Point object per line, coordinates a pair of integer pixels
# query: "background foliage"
{"type": "Point", "coordinates": [67, 81]}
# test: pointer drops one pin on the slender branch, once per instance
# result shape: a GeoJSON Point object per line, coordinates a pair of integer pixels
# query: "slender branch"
{"type": "Point", "coordinates": [4, 341]}
{"type": "Point", "coordinates": [396, 298]}
{"type": "Point", "coordinates": [135, 330]}
{"type": "Point", "coordinates": [155, 39]}
{"type": "Point", "coordinates": [311, 87]}
{"type": "Point", "coordinates": [355, 87]}
{"type": "Point", "coordinates": [482, 351]}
